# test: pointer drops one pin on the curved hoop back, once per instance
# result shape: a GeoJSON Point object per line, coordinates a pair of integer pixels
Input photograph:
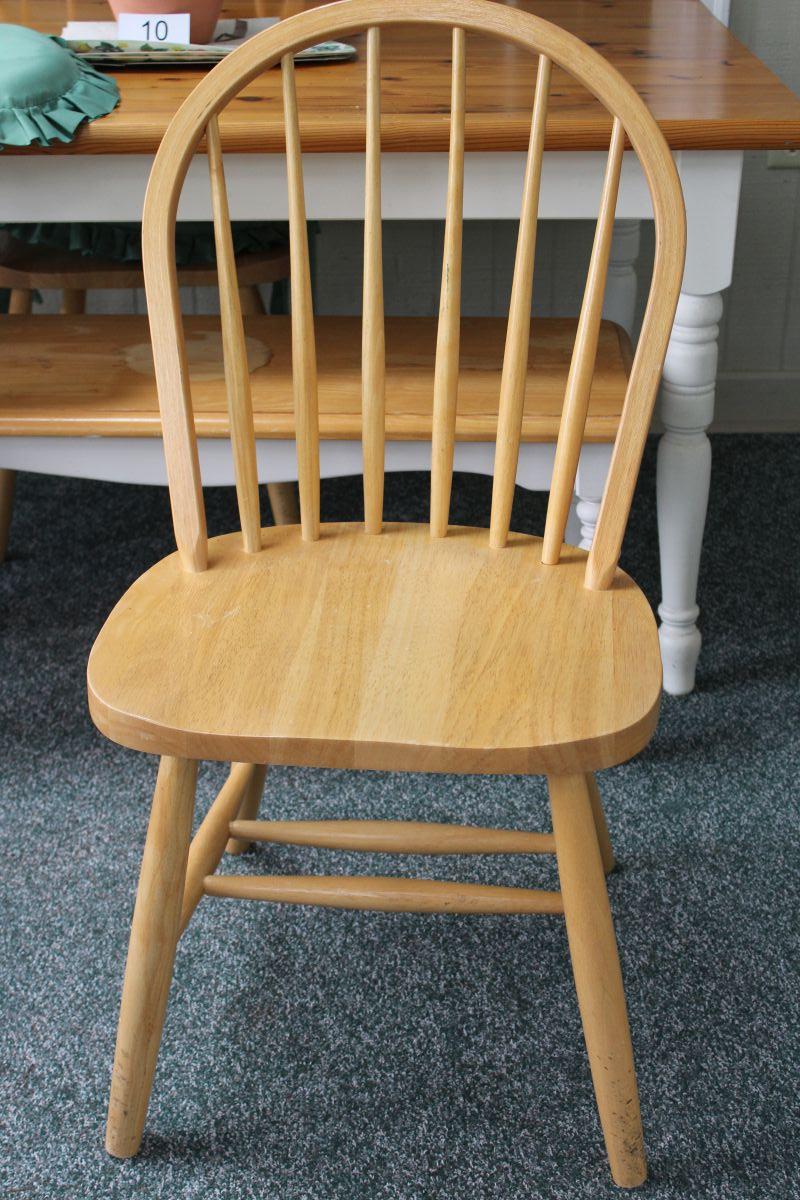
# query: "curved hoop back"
{"type": "Point", "coordinates": [632, 123]}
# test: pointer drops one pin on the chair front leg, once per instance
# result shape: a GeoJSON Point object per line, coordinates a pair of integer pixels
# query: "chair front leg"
{"type": "Point", "coordinates": [151, 953]}
{"type": "Point", "coordinates": [598, 978]}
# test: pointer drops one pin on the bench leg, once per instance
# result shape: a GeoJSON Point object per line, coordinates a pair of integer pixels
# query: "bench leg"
{"type": "Point", "coordinates": [20, 302]}
{"type": "Point", "coordinates": [8, 482]}
{"type": "Point", "coordinates": [73, 302]}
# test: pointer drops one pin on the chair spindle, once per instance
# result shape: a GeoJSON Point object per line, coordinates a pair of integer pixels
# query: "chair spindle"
{"type": "Point", "coordinates": [581, 371]}
{"type": "Point", "coordinates": [373, 339]}
{"type": "Point", "coordinates": [515, 358]}
{"type": "Point", "coordinates": [304, 356]}
{"type": "Point", "coordinates": [237, 373]}
{"type": "Point", "coordinates": [445, 380]}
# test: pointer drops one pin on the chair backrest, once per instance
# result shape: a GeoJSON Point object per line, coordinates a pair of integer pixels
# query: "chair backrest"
{"type": "Point", "coordinates": [632, 123]}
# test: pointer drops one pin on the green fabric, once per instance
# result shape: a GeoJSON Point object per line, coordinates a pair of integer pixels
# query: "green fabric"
{"type": "Point", "coordinates": [194, 240]}
{"type": "Point", "coordinates": [46, 91]}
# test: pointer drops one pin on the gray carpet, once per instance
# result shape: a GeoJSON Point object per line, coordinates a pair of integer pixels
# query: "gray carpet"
{"type": "Point", "coordinates": [312, 1055]}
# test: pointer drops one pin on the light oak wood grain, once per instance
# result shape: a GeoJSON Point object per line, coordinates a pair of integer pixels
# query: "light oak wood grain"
{"type": "Point", "coordinates": [395, 837]}
{"type": "Point", "coordinates": [208, 844]}
{"type": "Point", "coordinates": [706, 90]}
{"type": "Point", "coordinates": [148, 972]}
{"type": "Point", "coordinates": [581, 371]}
{"type": "Point", "coordinates": [304, 359]}
{"type": "Point", "coordinates": [601, 828]}
{"type": "Point", "coordinates": [172, 373]}
{"type": "Point", "coordinates": [26, 269]}
{"type": "Point", "coordinates": [448, 338]}
{"type": "Point", "coordinates": [100, 392]}
{"type": "Point", "coordinates": [598, 979]}
{"type": "Point", "coordinates": [373, 345]}
{"type": "Point", "coordinates": [327, 647]}
{"type": "Point", "coordinates": [377, 653]}
{"type": "Point", "coordinates": [379, 894]}
{"type": "Point", "coordinates": [515, 357]}
{"type": "Point", "coordinates": [554, 47]}
{"type": "Point", "coordinates": [248, 810]}
{"type": "Point", "coordinates": [237, 374]}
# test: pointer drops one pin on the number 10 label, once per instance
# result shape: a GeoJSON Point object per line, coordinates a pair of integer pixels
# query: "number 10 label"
{"type": "Point", "coordinates": [154, 28]}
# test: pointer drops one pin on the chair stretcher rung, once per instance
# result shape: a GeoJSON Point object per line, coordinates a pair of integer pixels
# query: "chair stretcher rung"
{"type": "Point", "coordinates": [383, 894]}
{"type": "Point", "coordinates": [395, 837]}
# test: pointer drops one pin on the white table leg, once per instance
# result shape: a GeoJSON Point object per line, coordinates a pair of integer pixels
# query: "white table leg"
{"type": "Point", "coordinates": [572, 533]}
{"type": "Point", "coordinates": [619, 304]}
{"type": "Point", "coordinates": [590, 482]}
{"type": "Point", "coordinates": [682, 482]}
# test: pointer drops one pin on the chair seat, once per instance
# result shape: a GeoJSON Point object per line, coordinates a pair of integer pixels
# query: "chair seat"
{"type": "Point", "coordinates": [389, 652]}
{"type": "Point", "coordinates": [93, 375]}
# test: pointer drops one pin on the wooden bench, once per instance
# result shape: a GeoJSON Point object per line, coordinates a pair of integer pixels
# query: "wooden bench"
{"type": "Point", "coordinates": [84, 377]}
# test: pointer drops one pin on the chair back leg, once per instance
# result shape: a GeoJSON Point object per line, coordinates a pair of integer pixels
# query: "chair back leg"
{"type": "Point", "coordinates": [151, 953]}
{"type": "Point", "coordinates": [251, 803]}
{"type": "Point", "coordinates": [598, 978]}
{"type": "Point", "coordinates": [606, 851]}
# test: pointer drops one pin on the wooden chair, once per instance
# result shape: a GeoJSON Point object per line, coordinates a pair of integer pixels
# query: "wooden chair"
{"type": "Point", "coordinates": [25, 270]}
{"type": "Point", "coordinates": [389, 647]}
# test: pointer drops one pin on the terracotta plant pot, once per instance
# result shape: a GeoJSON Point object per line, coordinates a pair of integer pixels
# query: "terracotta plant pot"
{"type": "Point", "coordinates": [204, 13]}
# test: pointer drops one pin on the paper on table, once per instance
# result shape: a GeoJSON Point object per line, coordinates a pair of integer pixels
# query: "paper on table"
{"type": "Point", "coordinates": [99, 42]}
{"type": "Point", "coordinates": [227, 36]}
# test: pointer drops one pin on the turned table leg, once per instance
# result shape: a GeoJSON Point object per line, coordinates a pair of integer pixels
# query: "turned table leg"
{"type": "Point", "coordinates": [682, 482]}
{"type": "Point", "coordinates": [619, 304]}
{"type": "Point", "coordinates": [590, 482]}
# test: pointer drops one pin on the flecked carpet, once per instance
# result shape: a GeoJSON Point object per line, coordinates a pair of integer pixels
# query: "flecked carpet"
{"type": "Point", "coordinates": [312, 1055]}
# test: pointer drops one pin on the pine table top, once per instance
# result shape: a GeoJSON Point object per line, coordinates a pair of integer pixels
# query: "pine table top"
{"type": "Point", "coordinates": [706, 90]}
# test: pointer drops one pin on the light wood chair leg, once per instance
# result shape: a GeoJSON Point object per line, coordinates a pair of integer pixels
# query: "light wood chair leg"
{"type": "Point", "coordinates": [151, 953]}
{"type": "Point", "coordinates": [20, 302]}
{"type": "Point", "coordinates": [598, 978]}
{"type": "Point", "coordinates": [73, 302]}
{"type": "Point", "coordinates": [8, 482]}
{"type": "Point", "coordinates": [606, 850]}
{"type": "Point", "coordinates": [248, 810]}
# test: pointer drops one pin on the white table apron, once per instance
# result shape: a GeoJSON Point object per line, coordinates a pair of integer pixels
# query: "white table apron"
{"type": "Point", "coordinates": [111, 188]}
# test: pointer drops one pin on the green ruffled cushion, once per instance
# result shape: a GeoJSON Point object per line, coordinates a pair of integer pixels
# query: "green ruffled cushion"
{"type": "Point", "coordinates": [194, 240]}
{"type": "Point", "coordinates": [46, 91]}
